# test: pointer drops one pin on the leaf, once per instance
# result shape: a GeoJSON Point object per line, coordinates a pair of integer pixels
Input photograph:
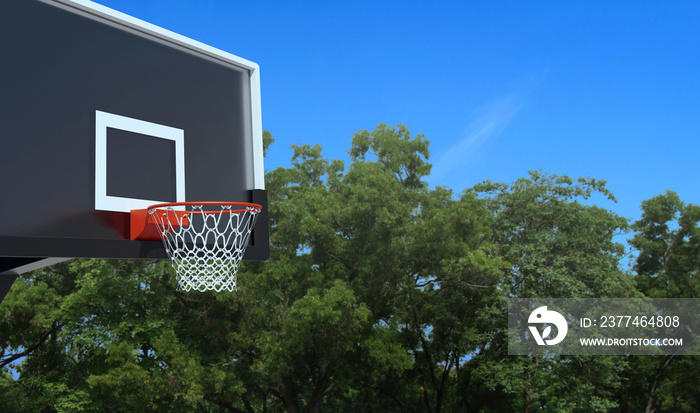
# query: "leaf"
{"type": "Point", "coordinates": [546, 332]}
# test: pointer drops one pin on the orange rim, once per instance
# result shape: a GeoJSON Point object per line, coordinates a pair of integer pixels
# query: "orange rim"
{"type": "Point", "coordinates": [256, 207]}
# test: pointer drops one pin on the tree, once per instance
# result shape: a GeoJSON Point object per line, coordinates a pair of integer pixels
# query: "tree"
{"type": "Point", "coordinates": [373, 282]}
{"type": "Point", "coordinates": [667, 241]}
{"type": "Point", "coordinates": [400, 253]}
{"type": "Point", "coordinates": [88, 331]}
{"type": "Point", "coordinates": [555, 246]}
{"type": "Point", "coordinates": [381, 294]}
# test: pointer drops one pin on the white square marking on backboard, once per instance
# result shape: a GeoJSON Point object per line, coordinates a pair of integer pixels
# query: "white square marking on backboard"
{"type": "Point", "coordinates": [104, 120]}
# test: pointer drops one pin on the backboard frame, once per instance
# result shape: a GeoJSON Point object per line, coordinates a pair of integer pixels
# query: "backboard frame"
{"type": "Point", "coordinates": [13, 256]}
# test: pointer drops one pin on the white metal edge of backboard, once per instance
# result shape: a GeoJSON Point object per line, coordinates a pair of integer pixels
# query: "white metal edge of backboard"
{"type": "Point", "coordinates": [158, 33]}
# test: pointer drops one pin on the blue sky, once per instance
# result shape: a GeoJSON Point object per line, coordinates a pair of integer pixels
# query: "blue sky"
{"type": "Point", "coordinates": [610, 91]}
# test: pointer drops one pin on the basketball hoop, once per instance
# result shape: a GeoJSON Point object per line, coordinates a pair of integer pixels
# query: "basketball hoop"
{"type": "Point", "coordinates": [205, 240]}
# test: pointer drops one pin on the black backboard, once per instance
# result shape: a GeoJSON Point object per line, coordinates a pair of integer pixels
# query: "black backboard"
{"type": "Point", "coordinates": [101, 113]}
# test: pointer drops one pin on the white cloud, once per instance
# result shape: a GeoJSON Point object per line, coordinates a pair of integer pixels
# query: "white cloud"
{"type": "Point", "coordinates": [486, 124]}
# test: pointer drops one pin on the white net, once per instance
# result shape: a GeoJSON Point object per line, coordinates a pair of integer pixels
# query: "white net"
{"type": "Point", "coordinates": [206, 246]}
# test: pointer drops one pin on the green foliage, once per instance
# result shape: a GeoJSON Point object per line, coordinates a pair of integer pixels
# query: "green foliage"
{"type": "Point", "coordinates": [554, 246]}
{"type": "Point", "coordinates": [668, 242]}
{"type": "Point", "coordinates": [557, 246]}
{"type": "Point", "coordinates": [381, 294]}
{"type": "Point", "coordinates": [396, 152]}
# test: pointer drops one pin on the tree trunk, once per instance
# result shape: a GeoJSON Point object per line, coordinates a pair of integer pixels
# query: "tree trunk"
{"type": "Point", "coordinates": [527, 402]}
{"type": "Point", "coordinates": [652, 389]}
{"type": "Point", "coordinates": [320, 389]}
{"type": "Point", "coordinates": [287, 397]}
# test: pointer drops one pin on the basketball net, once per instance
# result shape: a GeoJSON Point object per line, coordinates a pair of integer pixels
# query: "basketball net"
{"type": "Point", "coordinates": [206, 246]}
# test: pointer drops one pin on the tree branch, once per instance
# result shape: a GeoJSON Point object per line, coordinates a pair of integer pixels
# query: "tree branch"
{"type": "Point", "coordinates": [36, 345]}
{"type": "Point", "coordinates": [650, 400]}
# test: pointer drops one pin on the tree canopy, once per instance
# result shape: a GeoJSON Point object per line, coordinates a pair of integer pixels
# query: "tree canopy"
{"type": "Point", "coordinates": [381, 294]}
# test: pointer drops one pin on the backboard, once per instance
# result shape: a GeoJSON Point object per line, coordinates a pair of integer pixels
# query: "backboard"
{"type": "Point", "coordinates": [101, 113]}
